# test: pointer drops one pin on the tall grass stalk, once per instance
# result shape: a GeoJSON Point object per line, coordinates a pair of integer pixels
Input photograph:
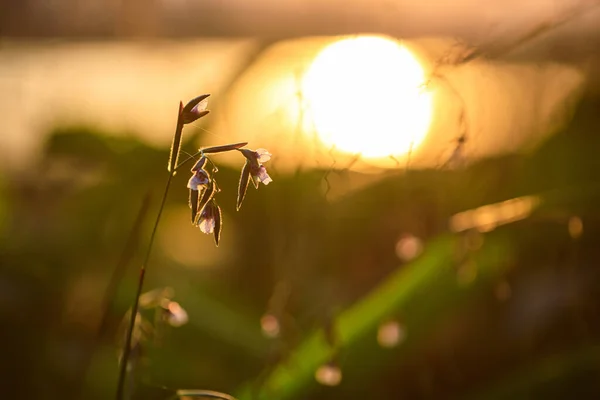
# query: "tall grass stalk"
{"type": "Point", "coordinates": [173, 157]}
{"type": "Point", "coordinates": [206, 214]}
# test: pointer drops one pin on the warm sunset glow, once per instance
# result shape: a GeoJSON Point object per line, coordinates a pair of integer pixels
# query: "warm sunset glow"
{"type": "Point", "coordinates": [364, 96]}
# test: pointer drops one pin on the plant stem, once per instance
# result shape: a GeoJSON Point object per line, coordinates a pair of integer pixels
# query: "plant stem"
{"type": "Point", "coordinates": [134, 310]}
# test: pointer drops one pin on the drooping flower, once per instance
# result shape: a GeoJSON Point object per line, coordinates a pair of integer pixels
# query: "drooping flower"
{"type": "Point", "coordinates": [198, 182]}
{"type": "Point", "coordinates": [198, 179]}
{"type": "Point", "coordinates": [206, 222]}
{"type": "Point", "coordinates": [209, 220]}
{"type": "Point", "coordinates": [260, 175]}
{"type": "Point", "coordinates": [257, 170]}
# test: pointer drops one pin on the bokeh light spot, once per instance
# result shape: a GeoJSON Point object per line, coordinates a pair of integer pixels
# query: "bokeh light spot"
{"type": "Point", "coordinates": [575, 227]}
{"type": "Point", "coordinates": [408, 247]}
{"type": "Point", "coordinates": [329, 375]}
{"type": "Point", "coordinates": [270, 326]}
{"type": "Point", "coordinates": [390, 334]}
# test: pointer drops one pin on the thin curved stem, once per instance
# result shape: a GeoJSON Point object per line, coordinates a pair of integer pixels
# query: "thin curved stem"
{"type": "Point", "coordinates": [134, 310]}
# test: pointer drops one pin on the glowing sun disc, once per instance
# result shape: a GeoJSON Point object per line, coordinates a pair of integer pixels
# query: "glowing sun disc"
{"type": "Point", "coordinates": [364, 96]}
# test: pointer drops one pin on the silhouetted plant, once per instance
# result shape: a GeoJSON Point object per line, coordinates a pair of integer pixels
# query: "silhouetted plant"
{"type": "Point", "coordinates": [206, 215]}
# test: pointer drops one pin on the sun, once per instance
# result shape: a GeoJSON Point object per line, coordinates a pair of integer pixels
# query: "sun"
{"type": "Point", "coordinates": [365, 96]}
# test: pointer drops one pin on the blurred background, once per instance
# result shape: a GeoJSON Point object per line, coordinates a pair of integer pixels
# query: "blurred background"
{"type": "Point", "coordinates": [430, 231]}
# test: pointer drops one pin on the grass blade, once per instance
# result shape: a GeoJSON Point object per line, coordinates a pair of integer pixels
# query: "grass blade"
{"type": "Point", "coordinates": [225, 147]}
{"type": "Point", "coordinates": [217, 231]}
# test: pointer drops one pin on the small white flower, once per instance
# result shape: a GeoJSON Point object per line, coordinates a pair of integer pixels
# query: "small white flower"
{"type": "Point", "coordinates": [261, 175]}
{"type": "Point", "coordinates": [200, 178]}
{"type": "Point", "coordinates": [257, 170]}
{"type": "Point", "coordinates": [262, 155]}
{"type": "Point", "coordinates": [207, 225]}
{"type": "Point", "coordinates": [208, 218]}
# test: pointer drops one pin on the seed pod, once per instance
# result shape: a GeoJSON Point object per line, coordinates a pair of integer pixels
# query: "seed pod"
{"type": "Point", "coordinates": [218, 222]}
{"type": "Point", "coordinates": [206, 197]}
{"type": "Point", "coordinates": [243, 185]}
{"type": "Point", "coordinates": [194, 102]}
{"type": "Point", "coordinates": [193, 203]}
{"type": "Point", "coordinates": [176, 144]}
{"type": "Point", "coordinates": [195, 109]}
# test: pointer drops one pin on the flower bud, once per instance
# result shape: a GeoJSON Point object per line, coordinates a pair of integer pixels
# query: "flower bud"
{"type": "Point", "coordinates": [195, 109]}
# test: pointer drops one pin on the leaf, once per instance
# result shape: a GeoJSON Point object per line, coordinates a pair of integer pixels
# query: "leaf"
{"type": "Point", "coordinates": [176, 145]}
{"type": "Point", "coordinates": [255, 182]}
{"type": "Point", "coordinates": [193, 203]}
{"type": "Point", "coordinates": [217, 231]}
{"type": "Point", "coordinates": [206, 197]}
{"type": "Point", "coordinates": [225, 147]}
{"type": "Point", "coordinates": [243, 185]}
